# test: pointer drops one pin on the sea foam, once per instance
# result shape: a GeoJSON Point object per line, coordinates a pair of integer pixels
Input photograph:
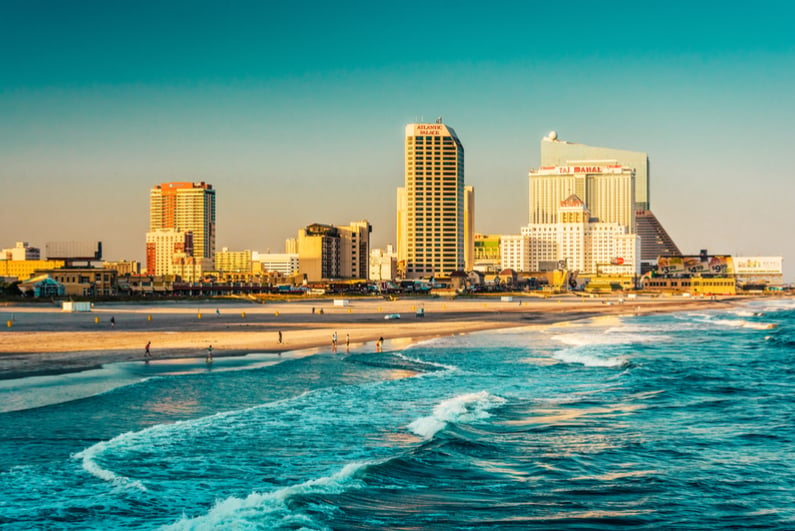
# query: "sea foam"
{"type": "Point", "coordinates": [269, 510]}
{"type": "Point", "coordinates": [462, 408]}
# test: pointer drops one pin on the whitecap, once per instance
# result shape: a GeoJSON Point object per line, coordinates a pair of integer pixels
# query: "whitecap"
{"type": "Point", "coordinates": [459, 409]}
{"type": "Point", "coordinates": [90, 465]}
{"type": "Point", "coordinates": [607, 338]}
{"type": "Point", "coordinates": [268, 510]}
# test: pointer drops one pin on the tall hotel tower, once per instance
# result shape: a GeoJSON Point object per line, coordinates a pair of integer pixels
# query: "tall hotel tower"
{"type": "Point", "coordinates": [185, 208]}
{"type": "Point", "coordinates": [655, 241]}
{"type": "Point", "coordinates": [432, 236]}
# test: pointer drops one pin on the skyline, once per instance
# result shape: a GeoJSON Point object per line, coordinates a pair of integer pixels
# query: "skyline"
{"type": "Point", "coordinates": [295, 120]}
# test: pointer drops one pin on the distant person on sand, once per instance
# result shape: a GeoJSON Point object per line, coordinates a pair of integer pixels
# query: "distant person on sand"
{"type": "Point", "coordinates": [209, 354]}
{"type": "Point", "coordinates": [334, 342]}
{"type": "Point", "coordinates": [112, 322]}
{"type": "Point", "coordinates": [347, 342]}
{"type": "Point", "coordinates": [280, 336]}
{"type": "Point", "coordinates": [147, 354]}
{"type": "Point", "coordinates": [379, 345]}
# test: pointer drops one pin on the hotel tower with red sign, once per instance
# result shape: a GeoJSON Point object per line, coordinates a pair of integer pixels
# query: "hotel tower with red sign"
{"type": "Point", "coordinates": [434, 208]}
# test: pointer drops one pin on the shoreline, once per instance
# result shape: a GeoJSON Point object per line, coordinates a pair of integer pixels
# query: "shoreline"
{"type": "Point", "coordinates": [47, 341]}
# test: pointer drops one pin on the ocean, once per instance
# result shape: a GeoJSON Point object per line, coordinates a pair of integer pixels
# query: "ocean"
{"type": "Point", "coordinates": [682, 421]}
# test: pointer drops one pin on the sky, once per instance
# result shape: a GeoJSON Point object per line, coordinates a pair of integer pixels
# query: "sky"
{"type": "Point", "coordinates": [295, 112]}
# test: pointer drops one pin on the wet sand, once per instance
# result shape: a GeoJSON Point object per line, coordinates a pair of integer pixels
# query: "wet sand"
{"type": "Point", "coordinates": [45, 340]}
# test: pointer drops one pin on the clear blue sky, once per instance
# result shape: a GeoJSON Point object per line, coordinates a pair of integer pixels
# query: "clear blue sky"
{"type": "Point", "coordinates": [295, 111]}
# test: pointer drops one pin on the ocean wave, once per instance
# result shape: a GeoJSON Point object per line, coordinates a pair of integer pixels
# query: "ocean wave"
{"type": "Point", "coordinates": [90, 464]}
{"type": "Point", "coordinates": [441, 366]}
{"type": "Point", "coordinates": [589, 360]}
{"type": "Point", "coordinates": [462, 408]}
{"type": "Point", "coordinates": [269, 510]}
{"type": "Point", "coordinates": [753, 325]}
{"type": "Point", "coordinates": [609, 337]}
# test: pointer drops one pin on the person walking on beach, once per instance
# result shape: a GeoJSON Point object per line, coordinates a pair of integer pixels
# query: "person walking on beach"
{"type": "Point", "coordinates": [209, 354]}
{"type": "Point", "coordinates": [334, 342]}
{"type": "Point", "coordinates": [280, 337]}
{"type": "Point", "coordinates": [147, 354]}
{"type": "Point", "coordinates": [347, 342]}
{"type": "Point", "coordinates": [379, 345]}
{"type": "Point", "coordinates": [113, 322]}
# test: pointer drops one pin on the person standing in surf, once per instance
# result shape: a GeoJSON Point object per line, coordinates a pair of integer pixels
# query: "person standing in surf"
{"type": "Point", "coordinates": [209, 354]}
{"type": "Point", "coordinates": [334, 342]}
{"type": "Point", "coordinates": [147, 354]}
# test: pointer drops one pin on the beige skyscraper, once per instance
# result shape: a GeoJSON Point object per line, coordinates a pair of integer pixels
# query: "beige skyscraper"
{"type": "Point", "coordinates": [185, 207]}
{"type": "Point", "coordinates": [605, 186]}
{"type": "Point", "coordinates": [431, 205]}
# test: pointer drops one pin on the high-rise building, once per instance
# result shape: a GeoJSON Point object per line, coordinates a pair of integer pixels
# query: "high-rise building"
{"type": "Point", "coordinates": [556, 152]}
{"type": "Point", "coordinates": [654, 240]}
{"type": "Point", "coordinates": [605, 186]}
{"type": "Point", "coordinates": [186, 207]}
{"type": "Point", "coordinates": [355, 249]}
{"type": "Point", "coordinates": [327, 252]}
{"type": "Point", "coordinates": [431, 220]}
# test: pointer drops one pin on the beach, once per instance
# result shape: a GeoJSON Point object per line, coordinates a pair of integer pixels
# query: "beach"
{"type": "Point", "coordinates": [484, 414]}
{"type": "Point", "coordinates": [43, 339]}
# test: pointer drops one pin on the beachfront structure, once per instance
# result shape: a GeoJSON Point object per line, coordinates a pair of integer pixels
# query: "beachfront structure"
{"type": "Point", "coordinates": [605, 186]}
{"type": "Point", "coordinates": [487, 255]}
{"type": "Point", "coordinates": [21, 251]}
{"type": "Point", "coordinates": [227, 261]}
{"type": "Point", "coordinates": [25, 269]}
{"type": "Point", "coordinates": [515, 252]}
{"type": "Point", "coordinates": [327, 252]}
{"type": "Point", "coordinates": [84, 281]}
{"type": "Point", "coordinates": [654, 239]}
{"type": "Point", "coordinates": [42, 286]}
{"type": "Point", "coordinates": [383, 264]}
{"type": "Point", "coordinates": [186, 207]}
{"type": "Point", "coordinates": [767, 270]}
{"type": "Point", "coordinates": [286, 264]}
{"type": "Point", "coordinates": [556, 152]}
{"type": "Point", "coordinates": [579, 242]}
{"type": "Point", "coordinates": [165, 248]}
{"type": "Point", "coordinates": [355, 249]}
{"type": "Point", "coordinates": [431, 205]}
{"type": "Point", "coordinates": [124, 267]}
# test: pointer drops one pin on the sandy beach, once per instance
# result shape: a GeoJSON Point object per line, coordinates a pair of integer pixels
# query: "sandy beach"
{"type": "Point", "coordinates": [42, 339]}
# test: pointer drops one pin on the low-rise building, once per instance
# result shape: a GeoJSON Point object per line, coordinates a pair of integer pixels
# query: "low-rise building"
{"type": "Point", "coordinates": [22, 251]}
{"type": "Point", "coordinates": [85, 281]}
{"type": "Point", "coordinates": [25, 269]}
{"type": "Point", "coordinates": [383, 264]}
